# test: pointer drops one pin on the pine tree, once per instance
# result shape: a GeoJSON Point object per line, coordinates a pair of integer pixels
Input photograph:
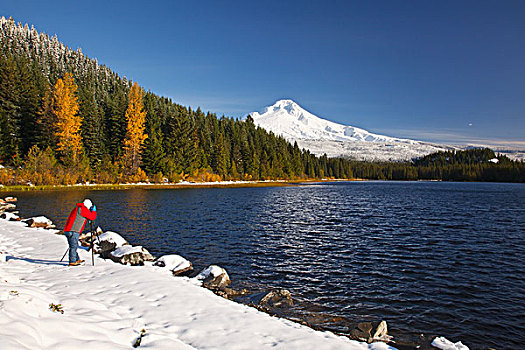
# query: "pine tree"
{"type": "Point", "coordinates": [65, 106]}
{"type": "Point", "coordinates": [46, 122]}
{"type": "Point", "coordinates": [219, 157]}
{"type": "Point", "coordinates": [92, 127]}
{"type": "Point", "coordinates": [154, 157]}
{"type": "Point", "coordinates": [183, 142]}
{"type": "Point", "coordinates": [135, 135]}
{"type": "Point", "coordinates": [9, 109]}
{"type": "Point", "coordinates": [29, 103]}
{"type": "Point", "coordinates": [115, 106]}
{"type": "Point", "coordinates": [296, 160]}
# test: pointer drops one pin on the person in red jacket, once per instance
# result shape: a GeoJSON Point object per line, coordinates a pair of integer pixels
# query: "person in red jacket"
{"type": "Point", "coordinates": [75, 224]}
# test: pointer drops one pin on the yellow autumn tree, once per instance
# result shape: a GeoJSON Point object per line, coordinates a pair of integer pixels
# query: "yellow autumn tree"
{"type": "Point", "coordinates": [65, 107]}
{"type": "Point", "coordinates": [135, 136]}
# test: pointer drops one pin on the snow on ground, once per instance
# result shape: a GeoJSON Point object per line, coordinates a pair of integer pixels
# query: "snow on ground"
{"type": "Point", "coordinates": [106, 306]}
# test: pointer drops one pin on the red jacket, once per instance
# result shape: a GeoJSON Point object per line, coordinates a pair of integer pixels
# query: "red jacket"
{"type": "Point", "coordinates": [77, 219]}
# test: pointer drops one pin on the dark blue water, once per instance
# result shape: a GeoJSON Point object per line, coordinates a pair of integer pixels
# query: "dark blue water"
{"type": "Point", "coordinates": [433, 258]}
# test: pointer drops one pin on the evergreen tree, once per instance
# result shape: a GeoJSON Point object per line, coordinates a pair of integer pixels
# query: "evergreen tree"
{"type": "Point", "coordinates": [29, 103]}
{"type": "Point", "coordinates": [219, 156]}
{"type": "Point", "coordinates": [92, 127]}
{"type": "Point", "coordinates": [183, 143]}
{"type": "Point", "coordinates": [115, 106]}
{"type": "Point", "coordinates": [9, 109]}
{"type": "Point", "coordinates": [154, 157]}
{"type": "Point", "coordinates": [46, 122]}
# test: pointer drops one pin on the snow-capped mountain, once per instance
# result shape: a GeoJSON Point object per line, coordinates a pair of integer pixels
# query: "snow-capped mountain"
{"type": "Point", "coordinates": [288, 119]}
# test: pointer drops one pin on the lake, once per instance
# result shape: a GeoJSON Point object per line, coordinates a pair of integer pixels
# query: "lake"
{"type": "Point", "coordinates": [428, 257]}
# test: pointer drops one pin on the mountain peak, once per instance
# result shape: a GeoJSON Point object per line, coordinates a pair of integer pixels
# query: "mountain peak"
{"type": "Point", "coordinates": [285, 104]}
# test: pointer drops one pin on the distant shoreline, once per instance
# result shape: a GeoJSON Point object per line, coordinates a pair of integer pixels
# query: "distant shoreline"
{"type": "Point", "coordinates": [181, 185]}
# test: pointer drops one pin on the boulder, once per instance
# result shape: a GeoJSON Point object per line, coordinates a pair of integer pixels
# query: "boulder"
{"type": "Point", "coordinates": [370, 331]}
{"type": "Point", "coordinates": [10, 216]}
{"type": "Point", "coordinates": [85, 238]}
{"type": "Point", "coordinates": [129, 255]}
{"type": "Point", "coordinates": [7, 207]}
{"type": "Point", "coordinates": [413, 342]}
{"type": "Point", "coordinates": [214, 277]}
{"type": "Point", "coordinates": [218, 282]}
{"type": "Point", "coordinates": [175, 263]}
{"type": "Point", "coordinates": [445, 344]}
{"type": "Point", "coordinates": [362, 331]}
{"type": "Point", "coordinates": [39, 221]}
{"type": "Point", "coordinates": [275, 298]}
{"type": "Point", "coordinates": [109, 241]}
{"type": "Point", "coordinates": [380, 331]}
{"type": "Point", "coordinates": [230, 293]}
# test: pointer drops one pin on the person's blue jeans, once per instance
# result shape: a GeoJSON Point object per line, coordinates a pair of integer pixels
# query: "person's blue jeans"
{"type": "Point", "coordinates": [72, 240]}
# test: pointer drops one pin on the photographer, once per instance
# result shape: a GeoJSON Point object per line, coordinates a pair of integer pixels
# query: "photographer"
{"type": "Point", "coordinates": [75, 224]}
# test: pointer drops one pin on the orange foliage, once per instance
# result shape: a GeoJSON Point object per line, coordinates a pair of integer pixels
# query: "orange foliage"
{"type": "Point", "coordinates": [135, 136]}
{"type": "Point", "coordinates": [203, 175]}
{"type": "Point", "coordinates": [139, 176]}
{"type": "Point", "coordinates": [6, 177]}
{"type": "Point", "coordinates": [65, 107]}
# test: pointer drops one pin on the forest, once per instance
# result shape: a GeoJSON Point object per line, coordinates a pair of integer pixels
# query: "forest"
{"type": "Point", "coordinates": [66, 119]}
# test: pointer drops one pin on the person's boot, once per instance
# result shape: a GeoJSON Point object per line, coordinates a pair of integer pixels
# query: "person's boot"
{"type": "Point", "coordinates": [76, 263]}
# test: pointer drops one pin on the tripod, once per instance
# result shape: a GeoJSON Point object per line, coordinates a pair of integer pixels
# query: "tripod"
{"type": "Point", "coordinates": [91, 245]}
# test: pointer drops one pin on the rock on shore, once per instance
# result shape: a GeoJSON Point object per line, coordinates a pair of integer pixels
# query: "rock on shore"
{"type": "Point", "coordinates": [214, 277]}
{"type": "Point", "coordinates": [132, 255]}
{"type": "Point", "coordinates": [370, 331]}
{"type": "Point", "coordinates": [39, 221]}
{"type": "Point", "coordinates": [175, 263]}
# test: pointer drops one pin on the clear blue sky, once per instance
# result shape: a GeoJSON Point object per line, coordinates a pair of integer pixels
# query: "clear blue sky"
{"type": "Point", "coordinates": [451, 71]}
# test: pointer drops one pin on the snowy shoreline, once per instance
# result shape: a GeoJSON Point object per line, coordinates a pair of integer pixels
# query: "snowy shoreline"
{"type": "Point", "coordinates": [106, 306]}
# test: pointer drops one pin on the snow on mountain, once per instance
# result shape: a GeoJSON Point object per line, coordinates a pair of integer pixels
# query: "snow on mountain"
{"type": "Point", "coordinates": [288, 119]}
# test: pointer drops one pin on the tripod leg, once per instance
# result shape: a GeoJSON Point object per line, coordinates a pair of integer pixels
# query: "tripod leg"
{"type": "Point", "coordinates": [63, 256]}
{"type": "Point", "coordinates": [92, 244]}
